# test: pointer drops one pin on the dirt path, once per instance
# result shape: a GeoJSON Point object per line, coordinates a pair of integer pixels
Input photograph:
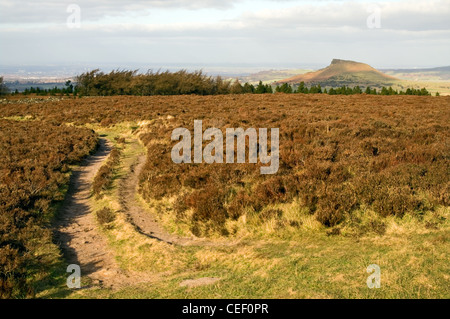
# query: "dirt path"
{"type": "Point", "coordinates": [143, 219]}
{"type": "Point", "coordinates": [144, 222]}
{"type": "Point", "coordinates": [76, 227]}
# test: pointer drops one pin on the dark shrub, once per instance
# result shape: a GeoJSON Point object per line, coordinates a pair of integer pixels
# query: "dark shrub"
{"type": "Point", "coordinates": [208, 209]}
{"type": "Point", "coordinates": [240, 201]}
{"type": "Point", "coordinates": [334, 203]}
{"type": "Point", "coordinates": [105, 216]}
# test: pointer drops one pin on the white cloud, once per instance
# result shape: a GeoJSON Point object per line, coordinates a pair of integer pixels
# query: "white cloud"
{"type": "Point", "coordinates": [410, 31]}
{"type": "Point", "coordinates": [405, 15]}
{"type": "Point", "coordinates": [45, 11]}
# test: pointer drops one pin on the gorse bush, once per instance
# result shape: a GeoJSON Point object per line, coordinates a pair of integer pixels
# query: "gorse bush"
{"type": "Point", "coordinates": [33, 157]}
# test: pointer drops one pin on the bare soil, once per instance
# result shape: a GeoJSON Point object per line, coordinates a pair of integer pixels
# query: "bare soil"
{"type": "Point", "coordinates": [76, 229]}
{"type": "Point", "coordinates": [142, 219]}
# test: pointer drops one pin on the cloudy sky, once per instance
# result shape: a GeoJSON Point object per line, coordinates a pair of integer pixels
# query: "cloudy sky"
{"type": "Point", "coordinates": [224, 32]}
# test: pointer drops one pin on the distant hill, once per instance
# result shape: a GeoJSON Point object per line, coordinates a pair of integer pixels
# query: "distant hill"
{"type": "Point", "coordinates": [344, 72]}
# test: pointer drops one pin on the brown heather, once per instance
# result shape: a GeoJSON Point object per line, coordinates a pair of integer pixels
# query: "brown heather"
{"type": "Point", "coordinates": [104, 176]}
{"type": "Point", "coordinates": [337, 153]}
{"type": "Point", "coordinates": [34, 158]}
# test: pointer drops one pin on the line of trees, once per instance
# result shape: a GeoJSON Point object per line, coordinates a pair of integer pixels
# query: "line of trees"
{"type": "Point", "coordinates": [122, 82]}
{"type": "Point", "coordinates": [68, 89]}
{"type": "Point", "coordinates": [151, 83]}
{"type": "Point", "coordinates": [346, 90]}
{"type": "Point", "coordinates": [182, 82]}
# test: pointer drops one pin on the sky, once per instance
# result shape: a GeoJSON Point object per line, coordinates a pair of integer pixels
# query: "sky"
{"type": "Point", "coordinates": [384, 34]}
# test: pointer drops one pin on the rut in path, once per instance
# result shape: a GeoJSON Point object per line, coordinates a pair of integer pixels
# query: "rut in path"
{"type": "Point", "coordinates": [76, 228]}
{"type": "Point", "coordinates": [142, 219]}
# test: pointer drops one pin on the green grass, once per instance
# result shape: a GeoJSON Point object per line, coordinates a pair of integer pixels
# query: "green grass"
{"type": "Point", "coordinates": [309, 266]}
{"type": "Point", "coordinates": [301, 264]}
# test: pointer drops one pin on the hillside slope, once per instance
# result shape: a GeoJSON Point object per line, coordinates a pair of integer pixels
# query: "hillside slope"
{"type": "Point", "coordinates": [344, 72]}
